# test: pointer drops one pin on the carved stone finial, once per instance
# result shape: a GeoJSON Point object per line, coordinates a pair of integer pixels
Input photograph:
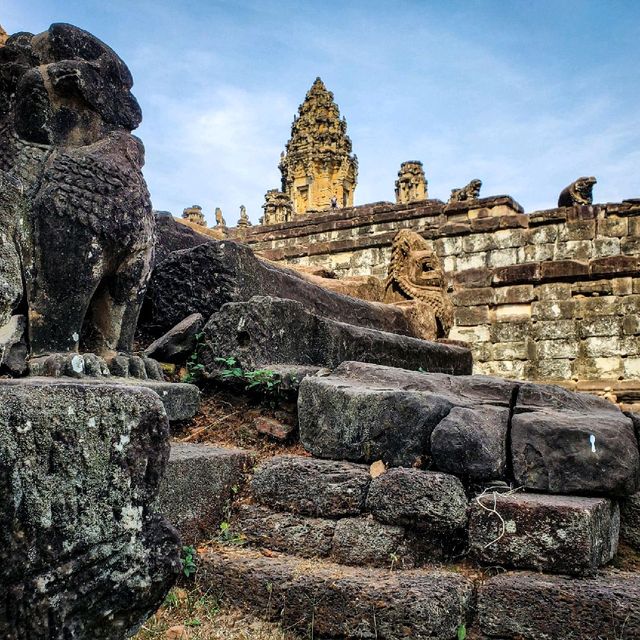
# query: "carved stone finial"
{"type": "Point", "coordinates": [4, 36]}
{"type": "Point", "coordinates": [220, 221]}
{"type": "Point", "coordinates": [194, 214]}
{"type": "Point", "coordinates": [578, 192]}
{"type": "Point", "coordinates": [318, 162]}
{"type": "Point", "coordinates": [411, 184]}
{"type": "Point", "coordinates": [244, 221]}
{"type": "Point", "coordinates": [466, 194]}
{"type": "Point", "coordinates": [277, 207]}
{"type": "Point", "coordinates": [415, 273]}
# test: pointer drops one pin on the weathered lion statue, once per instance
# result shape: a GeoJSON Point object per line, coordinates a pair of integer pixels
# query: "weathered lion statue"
{"type": "Point", "coordinates": [77, 226]}
{"type": "Point", "coordinates": [415, 274]}
{"type": "Point", "coordinates": [578, 192]}
{"type": "Point", "coordinates": [465, 194]}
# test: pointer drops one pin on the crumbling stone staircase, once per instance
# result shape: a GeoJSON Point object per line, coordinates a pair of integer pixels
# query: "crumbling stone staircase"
{"type": "Point", "coordinates": [439, 506]}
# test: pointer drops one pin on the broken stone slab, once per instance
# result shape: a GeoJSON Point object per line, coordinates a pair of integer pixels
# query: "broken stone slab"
{"type": "Point", "coordinates": [575, 452]}
{"type": "Point", "coordinates": [531, 606]}
{"type": "Point", "coordinates": [429, 500]}
{"type": "Point", "coordinates": [364, 412]}
{"type": "Point", "coordinates": [630, 521]}
{"type": "Point", "coordinates": [553, 534]}
{"type": "Point", "coordinates": [327, 600]}
{"type": "Point", "coordinates": [472, 442]}
{"type": "Point", "coordinates": [319, 488]}
{"type": "Point", "coordinates": [266, 331]}
{"type": "Point", "coordinates": [274, 429]}
{"type": "Point", "coordinates": [13, 346]}
{"type": "Point", "coordinates": [179, 342]}
{"type": "Point", "coordinates": [367, 542]}
{"type": "Point", "coordinates": [201, 279]}
{"type": "Point", "coordinates": [84, 554]}
{"type": "Point", "coordinates": [199, 486]}
{"type": "Point", "coordinates": [286, 532]}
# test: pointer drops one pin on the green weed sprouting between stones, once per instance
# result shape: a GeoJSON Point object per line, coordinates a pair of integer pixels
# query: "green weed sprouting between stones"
{"type": "Point", "coordinates": [258, 379]}
{"type": "Point", "coordinates": [462, 631]}
{"type": "Point", "coordinates": [195, 369]}
{"type": "Point", "coordinates": [188, 561]}
{"type": "Point", "coordinates": [229, 537]}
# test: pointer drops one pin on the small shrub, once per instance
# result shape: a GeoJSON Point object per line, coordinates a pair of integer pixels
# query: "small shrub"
{"type": "Point", "coordinates": [188, 561]}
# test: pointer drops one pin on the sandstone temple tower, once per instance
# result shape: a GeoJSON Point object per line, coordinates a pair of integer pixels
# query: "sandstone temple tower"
{"type": "Point", "coordinates": [318, 164]}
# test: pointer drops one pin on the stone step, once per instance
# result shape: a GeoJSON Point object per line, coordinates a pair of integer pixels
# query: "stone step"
{"type": "Point", "coordinates": [530, 606]}
{"type": "Point", "coordinates": [360, 541]}
{"type": "Point", "coordinates": [479, 428]}
{"type": "Point", "coordinates": [553, 534]}
{"type": "Point", "coordinates": [327, 600]}
{"type": "Point", "coordinates": [269, 331]}
{"type": "Point", "coordinates": [199, 485]}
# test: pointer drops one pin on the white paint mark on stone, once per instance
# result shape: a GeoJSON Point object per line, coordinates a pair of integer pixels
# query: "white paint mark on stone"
{"type": "Point", "coordinates": [75, 337]}
{"type": "Point", "coordinates": [592, 440]}
{"type": "Point", "coordinates": [165, 393]}
{"type": "Point", "coordinates": [77, 362]}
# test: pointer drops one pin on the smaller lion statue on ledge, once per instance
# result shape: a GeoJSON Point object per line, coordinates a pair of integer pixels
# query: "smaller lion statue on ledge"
{"type": "Point", "coordinates": [466, 194]}
{"type": "Point", "coordinates": [415, 277]}
{"type": "Point", "coordinates": [578, 192]}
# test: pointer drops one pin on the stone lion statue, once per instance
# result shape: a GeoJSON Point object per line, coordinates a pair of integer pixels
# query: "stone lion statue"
{"type": "Point", "coordinates": [466, 194]}
{"type": "Point", "coordinates": [578, 192]}
{"type": "Point", "coordinates": [76, 215]}
{"type": "Point", "coordinates": [415, 275]}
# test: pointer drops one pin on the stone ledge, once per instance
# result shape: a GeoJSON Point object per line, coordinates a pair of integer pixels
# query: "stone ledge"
{"type": "Point", "coordinates": [332, 600]}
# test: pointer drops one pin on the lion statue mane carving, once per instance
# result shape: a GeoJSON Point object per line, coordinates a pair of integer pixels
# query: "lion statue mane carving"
{"type": "Point", "coordinates": [578, 192]}
{"type": "Point", "coordinates": [76, 214]}
{"type": "Point", "coordinates": [468, 193]}
{"type": "Point", "coordinates": [415, 275]}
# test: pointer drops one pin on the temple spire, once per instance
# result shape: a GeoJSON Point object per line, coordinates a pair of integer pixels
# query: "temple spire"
{"type": "Point", "coordinates": [318, 168]}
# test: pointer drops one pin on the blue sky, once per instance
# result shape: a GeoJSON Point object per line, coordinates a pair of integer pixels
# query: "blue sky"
{"type": "Point", "coordinates": [526, 95]}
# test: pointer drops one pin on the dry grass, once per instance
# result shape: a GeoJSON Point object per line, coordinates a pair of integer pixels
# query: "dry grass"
{"type": "Point", "coordinates": [195, 614]}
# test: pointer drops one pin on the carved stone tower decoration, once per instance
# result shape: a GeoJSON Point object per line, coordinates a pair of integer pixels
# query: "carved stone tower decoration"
{"type": "Point", "coordinates": [194, 214]}
{"type": "Point", "coordinates": [4, 36]}
{"type": "Point", "coordinates": [411, 184]}
{"type": "Point", "coordinates": [318, 163]}
{"type": "Point", "coordinates": [277, 207]}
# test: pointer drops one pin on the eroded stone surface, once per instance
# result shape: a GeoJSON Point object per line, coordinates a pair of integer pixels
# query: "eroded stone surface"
{"type": "Point", "coordinates": [630, 520]}
{"type": "Point", "coordinates": [342, 602]}
{"type": "Point", "coordinates": [554, 534]}
{"type": "Point", "coordinates": [428, 499]}
{"type": "Point", "coordinates": [80, 466]}
{"type": "Point", "coordinates": [287, 532]}
{"type": "Point", "coordinates": [538, 607]}
{"type": "Point", "coordinates": [320, 488]}
{"type": "Point", "coordinates": [268, 330]}
{"type": "Point", "coordinates": [199, 485]}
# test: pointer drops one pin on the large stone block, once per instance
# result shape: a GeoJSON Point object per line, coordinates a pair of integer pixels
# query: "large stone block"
{"type": "Point", "coordinates": [531, 606]}
{"type": "Point", "coordinates": [198, 487]}
{"type": "Point", "coordinates": [564, 442]}
{"type": "Point", "coordinates": [83, 553]}
{"type": "Point", "coordinates": [366, 413]}
{"type": "Point", "coordinates": [203, 278]}
{"type": "Point", "coordinates": [630, 520]}
{"type": "Point", "coordinates": [334, 601]}
{"type": "Point", "coordinates": [429, 500]}
{"type": "Point", "coordinates": [267, 331]}
{"type": "Point", "coordinates": [285, 532]}
{"type": "Point", "coordinates": [472, 442]}
{"type": "Point", "coordinates": [554, 534]}
{"type": "Point", "coordinates": [319, 488]}
{"type": "Point", "coordinates": [365, 541]}
{"type": "Point", "coordinates": [350, 420]}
